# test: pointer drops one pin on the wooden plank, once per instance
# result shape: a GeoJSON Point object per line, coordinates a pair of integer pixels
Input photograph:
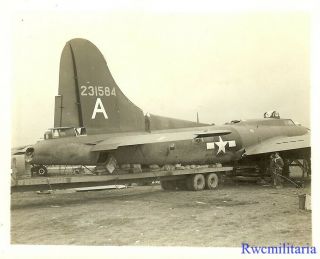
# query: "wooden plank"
{"type": "Point", "coordinates": [99, 188]}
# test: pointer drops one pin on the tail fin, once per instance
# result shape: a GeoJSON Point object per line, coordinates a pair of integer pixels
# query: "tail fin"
{"type": "Point", "coordinates": [89, 97]}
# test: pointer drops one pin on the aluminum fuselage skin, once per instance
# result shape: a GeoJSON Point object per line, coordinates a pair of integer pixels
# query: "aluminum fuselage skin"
{"type": "Point", "coordinates": [206, 150]}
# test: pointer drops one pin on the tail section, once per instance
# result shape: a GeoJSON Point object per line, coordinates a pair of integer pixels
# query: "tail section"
{"type": "Point", "coordinates": [89, 97]}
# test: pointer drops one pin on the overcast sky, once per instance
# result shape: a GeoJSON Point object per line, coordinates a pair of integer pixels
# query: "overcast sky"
{"type": "Point", "coordinates": [225, 61]}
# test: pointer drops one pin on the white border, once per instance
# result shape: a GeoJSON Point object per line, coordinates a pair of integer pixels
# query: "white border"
{"type": "Point", "coordinates": [7, 250]}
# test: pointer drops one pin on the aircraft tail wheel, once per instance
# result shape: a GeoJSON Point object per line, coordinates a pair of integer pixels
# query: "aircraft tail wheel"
{"type": "Point", "coordinates": [168, 185]}
{"type": "Point", "coordinates": [42, 171]}
{"type": "Point", "coordinates": [196, 182]}
{"type": "Point", "coordinates": [212, 181]}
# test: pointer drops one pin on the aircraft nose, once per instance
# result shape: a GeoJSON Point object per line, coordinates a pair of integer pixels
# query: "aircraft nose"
{"type": "Point", "coordinates": [29, 154]}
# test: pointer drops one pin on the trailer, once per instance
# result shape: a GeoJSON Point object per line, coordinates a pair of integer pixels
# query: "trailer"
{"type": "Point", "coordinates": [190, 177]}
{"type": "Point", "coordinates": [193, 179]}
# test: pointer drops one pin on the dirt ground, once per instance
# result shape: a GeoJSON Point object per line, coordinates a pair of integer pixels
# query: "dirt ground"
{"type": "Point", "coordinates": [148, 216]}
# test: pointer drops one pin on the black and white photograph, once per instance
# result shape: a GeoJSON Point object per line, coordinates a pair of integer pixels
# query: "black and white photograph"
{"type": "Point", "coordinates": [161, 125]}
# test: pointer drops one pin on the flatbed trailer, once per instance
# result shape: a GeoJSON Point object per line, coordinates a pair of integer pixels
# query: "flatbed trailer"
{"type": "Point", "coordinates": [194, 179]}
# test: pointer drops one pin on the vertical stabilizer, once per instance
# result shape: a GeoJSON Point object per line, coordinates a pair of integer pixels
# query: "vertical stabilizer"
{"type": "Point", "coordinates": [89, 97]}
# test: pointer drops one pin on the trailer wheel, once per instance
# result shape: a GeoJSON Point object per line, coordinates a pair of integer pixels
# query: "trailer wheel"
{"type": "Point", "coordinates": [196, 182]}
{"type": "Point", "coordinates": [212, 181]}
{"type": "Point", "coordinates": [42, 171]}
{"type": "Point", "coordinates": [168, 185]}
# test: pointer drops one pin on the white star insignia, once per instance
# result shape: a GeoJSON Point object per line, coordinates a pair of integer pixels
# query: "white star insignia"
{"type": "Point", "coordinates": [222, 145]}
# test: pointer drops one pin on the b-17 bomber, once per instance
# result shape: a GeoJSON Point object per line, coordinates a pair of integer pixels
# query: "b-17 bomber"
{"type": "Point", "coordinates": [96, 124]}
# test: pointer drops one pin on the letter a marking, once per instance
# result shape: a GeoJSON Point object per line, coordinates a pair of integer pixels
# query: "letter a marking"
{"type": "Point", "coordinates": [98, 108]}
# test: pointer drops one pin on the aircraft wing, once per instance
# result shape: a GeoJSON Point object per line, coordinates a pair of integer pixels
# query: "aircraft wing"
{"type": "Point", "coordinates": [279, 144]}
{"type": "Point", "coordinates": [211, 133]}
{"type": "Point", "coordinates": [131, 140]}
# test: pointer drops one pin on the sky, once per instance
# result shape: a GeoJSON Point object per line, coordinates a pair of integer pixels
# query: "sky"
{"type": "Point", "coordinates": [225, 61]}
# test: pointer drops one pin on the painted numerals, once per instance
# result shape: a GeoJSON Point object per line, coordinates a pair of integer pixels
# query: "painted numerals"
{"type": "Point", "coordinates": [97, 91]}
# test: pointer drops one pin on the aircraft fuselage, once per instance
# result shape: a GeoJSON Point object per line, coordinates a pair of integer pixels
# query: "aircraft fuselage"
{"type": "Point", "coordinates": [204, 150]}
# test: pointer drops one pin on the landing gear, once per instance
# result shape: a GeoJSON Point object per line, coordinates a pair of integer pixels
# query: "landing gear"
{"type": "Point", "coordinates": [40, 170]}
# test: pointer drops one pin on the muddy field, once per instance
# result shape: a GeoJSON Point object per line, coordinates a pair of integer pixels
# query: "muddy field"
{"type": "Point", "coordinates": [148, 216]}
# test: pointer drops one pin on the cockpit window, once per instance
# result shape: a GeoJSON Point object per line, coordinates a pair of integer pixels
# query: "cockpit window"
{"type": "Point", "coordinates": [64, 132]}
{"type": "Point", "coordinates": [288, 123]}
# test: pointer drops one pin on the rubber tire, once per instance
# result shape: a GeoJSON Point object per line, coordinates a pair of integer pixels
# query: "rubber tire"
{"type": "Point", "coordinates": [212, 181]}
{"type": "Point", "coordinates": [42, 171]}
{"type": "Point", "coordinates": [196, 182]}
{"type": "Point", "coordinates": [168, 185]}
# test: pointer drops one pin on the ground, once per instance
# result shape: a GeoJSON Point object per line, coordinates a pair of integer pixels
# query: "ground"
{"type": "Point", "coordinates": [148, 216]}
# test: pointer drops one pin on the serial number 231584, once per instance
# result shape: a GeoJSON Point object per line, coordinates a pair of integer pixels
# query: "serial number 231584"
{"type": "Point", "coordinates": [97, 91]}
